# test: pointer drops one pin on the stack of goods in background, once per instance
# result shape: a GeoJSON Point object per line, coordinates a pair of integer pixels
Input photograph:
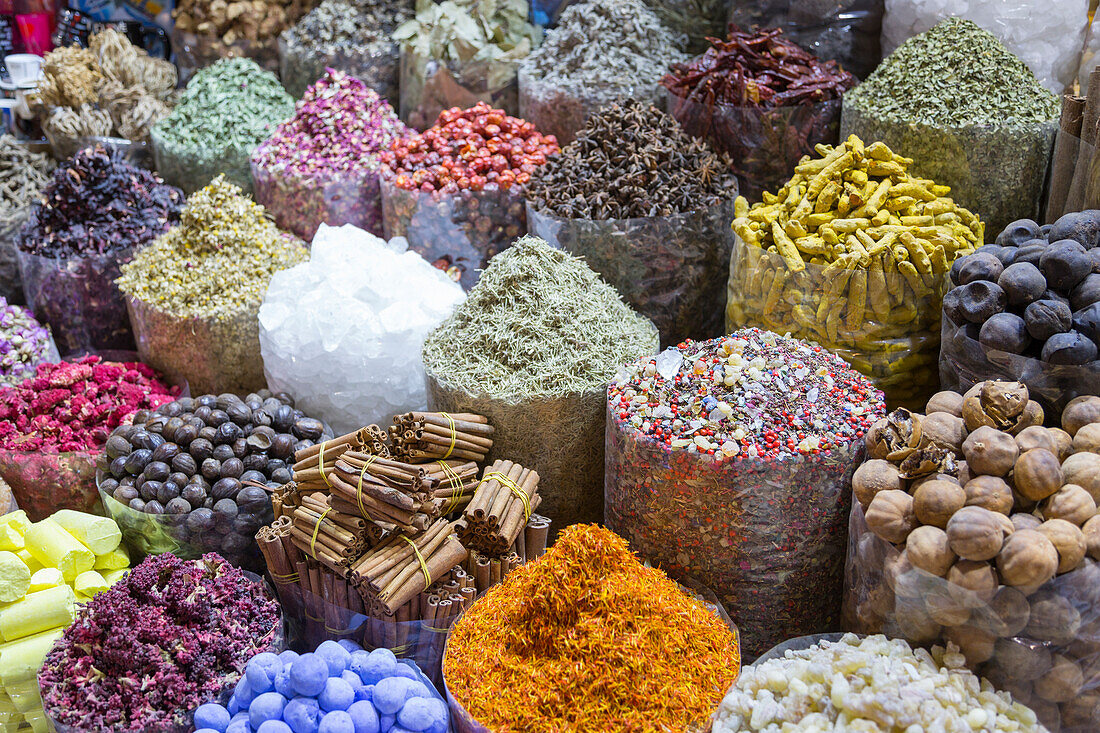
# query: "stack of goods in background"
{"type": "Point", "coordinates": [24, 173]}
{"type": "Point", "coordinates": [352, 37]}
{"type": "Point", "coordinates": [24, 344]}
{"type": "Point", "coordinates": [696, 21]}
{"type": "Point", "coordinates": [226, 110]}
{"type": "Point", "coordinates": [533, 348]}
{"type": "Point", "coordinates": [1075, 165]}
{"type": "Point", "coordinates": [762, 100]}
{"type": "Point", "coordinates": [601, 50]}
{"type": "Point", "coordinates": [852, 253]}
{"type": "Point", "coordinates": [456, 190]}
{"type": "Point", "coordinates": [1027, 309]}
{"type": "Point", "coordinates": [977, 526]}
{"type": "Point", "coordinates": [112, 89]}
{"type": "Point", "coordinates": [321, 166]}
{"type": "Point", "coordinates": [358, 363]}
{"type": "Point", "coordinates": [729, 461]}
{"type": "Point", "coordinates": [988, 135]}
{"type": "Point", "coordinates": [94, 214]}
{"type": "Point", "coordinates": [194, 475]}
{"type": "Point", "coordinates": [146, 652]}
{"type": "Point", "coordinates": [460, 52]}
{"type": "Point", "coordinates": [205, 31]}
{"type": "Point", "coordinates": [648, 207]}
{"type": "Point", "coordinates": [48, 568]}
{"type": "Point", "coordinates": [193, 294]}
{"type": "Point", "coordinates": [53, 428]}
{"type": "Point", "coordinates": [632, 649]}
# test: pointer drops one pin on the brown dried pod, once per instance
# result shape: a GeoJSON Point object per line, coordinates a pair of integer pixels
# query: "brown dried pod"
{"type": "Point", "coordinates": [990, 452]}
{"type": "Point", "coordinates": [1027, 559]}
{"type": "Point", "coordinates": [890, 516]}
{"type": "Point", "coordinates": [1053, 618]}
{"type": "Point", "coordinates": [1071, 503]}
{"type": "Point", "coordinates": [989, 492]}
{"type": "Point", "coordinates": [964, 473]}
{"type": "Point", "coordinates": [1037, 474]}
{"type": "Point", "coordinates": [874, 476]}
{"type": "Point", "coordinates": [1080, 411]}
{"type": "Point", "coordinates": [1049, 714]}
{"type": "Point", "coordinates": [974, 391]}
{"type": "Point", "coordinates": [1082, 711]}
{"type": "Point", "coordinates": [935, 502]}
{"type": "Point", "coordinates": [914, 623]}
{"type": "Point", "coordinates": [1087, 438]}
{"type": "Point", "coordinates": [1019, 689]}
{"type": "Point", "coordinates": [949, 402]}
{"type": "Point", "coordinates": [1022, 659]}
{"type": "Point", "coordinates": [975, 533]}
{"type": "Point", "coordinates": [972, 583]}
{"type": "Point", "coordinates": [1083, 469]}
{"type": "Point", "coordinates": [1062, 682]}
{"type": "Point", "coordinates": [944, 430]}
{"type": "Point", "coordinates": [945, 609]}
{"type": "Point", "coordinates": [1063, 441]}
{"type": "Point", "coordinates": [974, 416]}
{"type": "Point", "coordinates": [895, 567]}
{"type": "Point", "coordinates": [917, 483]}
{"type": "Point", "coordinates": [1022, 520]}
{"type": "Point", "coordinates": [928, 549]}
{"type": "Point", "coordinates": [1004, 402]}
{"type": "Point", "coordinates": [975, 644]}
{"type": "Point", "coordinates": [1007, 613]}
{"type": "Point", "coordinates": [1031, 416]}
{"type": "Point", "coordinates": [1068, 540]}
{"type": "Point", "coordinates": [895, 436]}
{"type": "Point", "coordinates": [1091, 530]}
{"type": "Point", "coordinates": [1036, 436]}
{"type": "Point", "coordinates": [928, 460]}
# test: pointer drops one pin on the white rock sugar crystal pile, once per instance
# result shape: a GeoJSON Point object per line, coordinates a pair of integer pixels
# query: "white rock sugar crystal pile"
{"type": "Point", "coordinates": [1047, 35]}
{"type": "Point", "coordinates": [342, 333]}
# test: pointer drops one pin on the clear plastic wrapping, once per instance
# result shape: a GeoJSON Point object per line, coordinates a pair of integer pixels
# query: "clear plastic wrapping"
{"type": "Point", "coordinates": [11, 283]}
{"type": "Point", "coordinates": [42, 483]}
{"type": "Point", "coordinates": [456, 232]}
{"type": "Point", "coordinates": [192, 168]}
{"type": "Point", "coordinates": [895, 341]}
{"type": "Point", "coordinates": [767, 535]}
{"type": "Point", "coordinates": [136, 153]}
{"type": "Point", "coordinates": [765, 144]}
{"type": "Point", "coordinates": [698, 20]}
{"type": "Point", "coordinates": [300, 67]}
{"type": "Point", "coordinates": [996, 172]}
{"type": "Point", "coordinates": [429, 86]}
{"type": "Point", "coordinates": [1043, 647]}
{"type": "Point", "coordinates": [301, 204]}
{"type": "Point", "coordinates": [213, 355]}
{"type": "Point", "coordinates": [78, 299]}
{"type": "Point", "coordinates": [671, 269]}
{"type": "Point", "coordinates": [194, 51]}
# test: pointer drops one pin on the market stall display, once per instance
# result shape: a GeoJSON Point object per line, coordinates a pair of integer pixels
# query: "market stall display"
{"type": "Point", "coordinates": [24, 173]}
{"type": "Point", "coordinates": [648, 207]}
{"type": "Point", "coordinates": [988, 136]}
{"type": "Point", "coordinates": [696, 21]}
{"type": "Point", "coordinates": [761, 99]}
{"type": "Point", "coordinates": [360, 363]}
{"type": "Point", "coordinates": [871, 681]}
{"type": "Point", "coordinates": [499, 676]}
{"type": "Point", "coordinates": [352, 37]}
{"type": "Point", "coordinates": [321, 166]}
{"type": "Point", "coordinates": [730, 461]}
{"type": "Point", "coordinates": [599, 51]}
{"type": "Point", "coordinates": [95, 212]}
{"type": "Point", "coordinates": [1027, 308]}
{"type": "Point", "coordinates": [458, 53]}
{"type": "Point", "coordinates": [193, 294]}
{"type": "Point", "coordinates": [194, 475]}
{"type": "Point", "coordinates": [225, 111]}
{"type": "Point", "coordinates": [1074, 161]}
{"type": "Point", "coordinates": [182, 629]}
{"type": "Point", "coordinates": [455, 191]}
{"type": "Point", "coordinates": [53, 428]}
{"type": "Point", "coordinates": [851, 253]}
{"type": "Point", "coordinates": [975, 525]}
{"type": "Point", "coordinates": [24, 344]}
{"type": "Point", "coordinates": [532, 348]}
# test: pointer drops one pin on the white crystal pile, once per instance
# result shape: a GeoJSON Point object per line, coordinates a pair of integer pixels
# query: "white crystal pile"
{"type": "Point", "coordinates": [342, 333]}
{"type": "Point", "coordinates": [1047, 36]}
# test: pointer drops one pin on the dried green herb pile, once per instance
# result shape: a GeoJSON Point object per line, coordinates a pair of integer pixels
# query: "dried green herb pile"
{"type": "Point", "coordinates": [539, 323]}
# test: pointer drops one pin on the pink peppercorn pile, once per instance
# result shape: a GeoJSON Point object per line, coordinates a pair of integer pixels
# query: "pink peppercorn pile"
{"type": "Point", "coordinates": [74, 406]}
{"type": "Point", "coordinates": [471, 149]}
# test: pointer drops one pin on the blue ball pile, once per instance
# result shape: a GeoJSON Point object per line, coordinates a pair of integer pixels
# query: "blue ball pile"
{"type": "Point", "coordinates": [339, 688]}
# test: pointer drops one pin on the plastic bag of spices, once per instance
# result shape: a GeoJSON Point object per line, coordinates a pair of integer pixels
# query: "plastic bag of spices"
{"type": "Point", "coordinates": [428, 86]}
{"type": "Point", "coordinates": [195, 51]}
{"type": "Point", "coordinates": [300, 66]}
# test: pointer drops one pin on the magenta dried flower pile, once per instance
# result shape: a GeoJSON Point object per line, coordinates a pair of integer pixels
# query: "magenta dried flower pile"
{"type": "Point", "coordinates": [170, 636]}
{"type": "Point", "coordinates": [24, 342]}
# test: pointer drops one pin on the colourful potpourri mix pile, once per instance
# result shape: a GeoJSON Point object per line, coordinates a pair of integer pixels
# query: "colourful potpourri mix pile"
{"type": "Point", "coordinates": [24, 342]}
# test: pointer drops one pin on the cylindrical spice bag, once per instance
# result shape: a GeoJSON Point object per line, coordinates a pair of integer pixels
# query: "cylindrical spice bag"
{"type": "Point", "coordinates": [557, 110]}
{"type": "Point", "coordinates": [730, 461]}
{"type": "Point", "coordinates": [194, 52]}
{"type": "Point", "coordinates": [300, 67]}
{"type": "Point", "coordinates": [428, 86]}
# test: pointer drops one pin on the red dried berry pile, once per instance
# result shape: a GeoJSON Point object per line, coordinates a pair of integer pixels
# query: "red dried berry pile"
{"type": "Point", "coordinates": [476, 149]}
{"type": "Point", "coordinates": [73, 406]}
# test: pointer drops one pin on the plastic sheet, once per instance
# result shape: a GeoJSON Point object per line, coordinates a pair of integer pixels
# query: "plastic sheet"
{"type": "Point", "coordinates": [11, 283]}
{"type": "Point", "coordinates": [767, 535]}
{"type": "Point", "coordinates": [194, 52]}
{"type": "Point", "coordinates": [78, 299]}
{"type": "Point", "coordinates": [696, 19]}
{"type": "Point", "coordinates": [457, 232]}
{"type": "Point", "coordinates": [136, 153]}
{"type": "Point", "coordinates": [429, 86]}
{"type": "Point", "coordinates": [844, 30]}
{"type": "Point", "coordinates": [765, 144]}
{"type": "Point", "coordinates": [42, 483]}
{"type": "Point", "coordinates": [192, 168]}
{"type": "Point", "coordinates": [298, 69]}
{"type": "Point", "coordinates": [670, 269]}
{"type": "Point", "coordinates": [898, 351]}
{"type": "Point", "coordinates": [998, 173]}
{"type": "Point", "coordinates": [301, 204]}
{"type": "Point", "coordinates": [1061, 627]}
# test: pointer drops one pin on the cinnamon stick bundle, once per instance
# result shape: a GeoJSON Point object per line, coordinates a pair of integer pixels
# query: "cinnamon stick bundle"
{"type": "Point", "coordinates": [427, 436]}
{"type": "Point", "coordinates": [504, 502]}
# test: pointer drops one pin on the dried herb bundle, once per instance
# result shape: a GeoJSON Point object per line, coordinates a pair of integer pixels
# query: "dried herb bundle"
{"type": "Point", "coordinates": [23, 175]}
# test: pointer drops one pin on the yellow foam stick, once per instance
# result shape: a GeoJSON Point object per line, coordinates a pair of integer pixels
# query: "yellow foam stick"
{"type": "Point", "coordinates": [113, 560]}
{"type": "Point", "coordinates": [25, 695]}
{"type": "Point", "coordinates": [89, 583]}
{"type": "Point", "coordinates": [28, 560]}
{"type": "Point", "coordinates": [52, 546]}
{"type": "Point", "coordinates": [11, 538]}
{"type": "Point", "coordinates": [20, 660]}
{"type": "Point", "coordinates": [46, 609]}
{"type": "Point", "coordinates": [17, 519]}
{"type": "Point", "coordinates": [15, 577]}
{"type": "Point", "coordinates": [98, 534]}
{"type": "Point", "coordinates": [46, 578]}
{"type": "Point", "coordinates": [37, 721]}
{"type": "Point", "coordinates": [113, 576]}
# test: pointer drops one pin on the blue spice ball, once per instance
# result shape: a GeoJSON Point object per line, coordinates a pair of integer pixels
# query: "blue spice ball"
{"type": "Point", "coordinates": [273, 726]}
{"type": "Point", "coordinates": [390, 695]}
{"type": "Point", "coordinates": [351, 678]}
{"type": "Point", "coordinates": [262, 670]}
{"type": "Point", "coordinates": [386, 722]}
{"type": "Point", "coordinates": [404, 670]}
{"type": "Point", "coordinates": [337, 721]}
{"type": "Point", "coordinates": [335, 656]}
{"type": "Point", "coordinates": [418, 689]}
{"type": "Point", "coordinates": [283, 685]}
{"type": "Point", "coordinates": [268, 706]}
{"type": "Point", "coordinates": [375, 666]}
{"type": "Point", "coordinates": [243, 694]}
{"type": "Point", "coordinates": [417, 714]}
{"type": "Point", "coordinates": [303, 715]}
{"type": "Point", "coordinates": [365, 717]}
{"type": "Point", "coordinates": [337, 695]}
{"type": "Point", "coordinates": [213, 716]}
{"type": "Point", "coordinates": [207, 730]}
{"type": "Point", "coordinates": [349, 645]}
{"type": "Point", "coordinates": [364, 692]}
{"type": "Point", "coordinates": [308, 674]}
{"type": "Point", "coordinates": [288, 656]}
{"type": "Point", "coordinates": [238, 726]}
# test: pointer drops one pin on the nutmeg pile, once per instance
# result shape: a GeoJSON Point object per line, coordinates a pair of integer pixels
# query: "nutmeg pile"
{"type": "Point", "coordinates": [993, 528]}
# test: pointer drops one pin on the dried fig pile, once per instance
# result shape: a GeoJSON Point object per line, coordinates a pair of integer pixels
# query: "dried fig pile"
{"type": "Point", "coordinates": [993, 531]}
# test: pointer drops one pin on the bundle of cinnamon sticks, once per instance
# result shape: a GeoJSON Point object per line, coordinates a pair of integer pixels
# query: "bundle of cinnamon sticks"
{"type": "Point", "coordinates": [432, 436]}
{"type": "Point", "coordinates": [1075, 166]}
{"type": "Point", "coordinates": [505, 500]}
{"type": "Point", "coordinates": [326, 534]}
